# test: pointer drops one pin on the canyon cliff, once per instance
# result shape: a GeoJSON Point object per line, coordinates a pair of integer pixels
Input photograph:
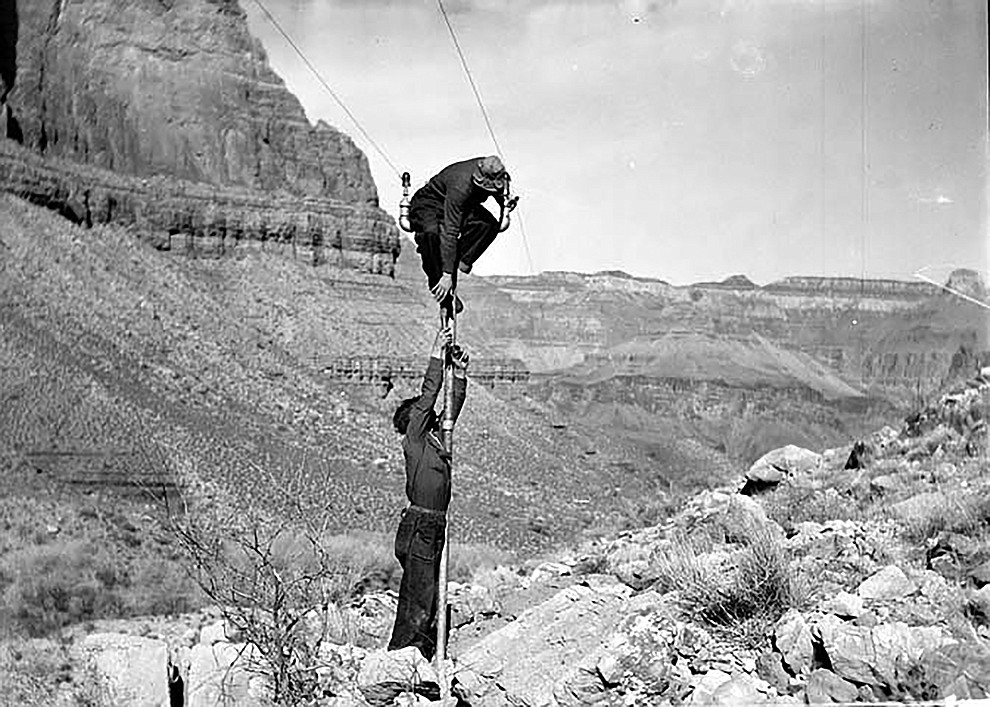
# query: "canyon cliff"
{"type": "Point", "coordinates": [175, 98]}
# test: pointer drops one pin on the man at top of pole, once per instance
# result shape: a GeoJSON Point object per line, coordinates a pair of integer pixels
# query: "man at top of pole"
{"type": "Point", "coordinates": [453, 227]}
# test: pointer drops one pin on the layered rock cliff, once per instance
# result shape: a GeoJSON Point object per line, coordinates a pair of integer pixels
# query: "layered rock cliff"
{"type": "Point", "coordinates": [205, 218]}
{"type": "Point", "coordinates": [173, 87]}
{"type": "Point", "coordinates": [881, 337]}
{"type": "Point", "coordinates": [183, 129]}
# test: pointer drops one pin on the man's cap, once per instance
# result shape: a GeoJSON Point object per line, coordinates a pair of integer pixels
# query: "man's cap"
{"type": "Point", "coordinates": [490, 174]}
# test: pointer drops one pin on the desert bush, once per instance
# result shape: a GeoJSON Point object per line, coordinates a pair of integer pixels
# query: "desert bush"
{"type": "Point", "coordinates": [47, 587]}
{"type": "Point", "coordinates": [278, 585]}
{"type": "Point", "coordinates": [468, 559]}
{"type": "Point", "coordinates": [948, 510]}
{"type": "Point", "coordinates": [51, 586]}
{"type": "Point", "coordinates": [724, 588]}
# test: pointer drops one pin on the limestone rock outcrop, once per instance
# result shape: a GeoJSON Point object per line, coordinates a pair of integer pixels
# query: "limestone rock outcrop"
{"type": "Point", "coordinates": [166, 115]}
{"type": "Point", "coordinates": [205, 217]}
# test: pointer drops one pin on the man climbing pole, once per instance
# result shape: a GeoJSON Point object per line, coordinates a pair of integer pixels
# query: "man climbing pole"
{"type": "Point", "coordinates": [419, 540]}
{"type": "Point", "coordinates": [453, 228]}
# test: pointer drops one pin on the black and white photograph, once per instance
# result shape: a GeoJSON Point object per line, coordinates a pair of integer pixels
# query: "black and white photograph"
{"type": "Point", "coordinates": [494, 353]}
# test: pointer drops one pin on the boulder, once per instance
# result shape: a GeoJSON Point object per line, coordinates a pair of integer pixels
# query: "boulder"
{"type": "Point", "coordinates": [706, 686]}
{"type": "Point", "coordinates": [406, 665]}
{"type": "Point", "coordinates": [793, 639]}
{"type": "Point", "coordinates": [769, 667]}
{"type": "Point", "coordinates": [825, 687]}
{"type": "Point", "coordinates": [469, 602]}
{"type": "Point", "coordinates": [980, 574]}
{"type": "Point", "coordinates": [132, 670]}
{"type": "Point", "coordinates": [845, 605]}
{"type": "Point", "coordinates": [888, 583]}
{"type": "Point", "coordinates": [549, 646]}
{"type": "Point", "coordinates": [741, 689]}
{"type": "Point", "coordinates": [774, 466]}
{"type": "Point", "coordinates": [223, 673]}
{"type": "Point", "coordinates": [872, 655]}
{"type": "Point", "coordinates": [213, 633]}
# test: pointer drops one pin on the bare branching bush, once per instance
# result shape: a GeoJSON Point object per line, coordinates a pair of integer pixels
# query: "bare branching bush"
{"type": "Point", "coordinates": [277, 579]}
{"type": "Point", "coordinates": [275, 586]}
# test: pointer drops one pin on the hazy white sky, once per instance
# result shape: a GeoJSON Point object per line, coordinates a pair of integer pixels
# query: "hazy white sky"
{"type": "Point", "coordinates": [685, 140]}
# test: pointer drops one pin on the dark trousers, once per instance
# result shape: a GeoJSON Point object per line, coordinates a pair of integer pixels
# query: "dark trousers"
{"type": "Point", "coordinates": [418, 547]}
{"type": "Point", "coordinates": [478, 231]}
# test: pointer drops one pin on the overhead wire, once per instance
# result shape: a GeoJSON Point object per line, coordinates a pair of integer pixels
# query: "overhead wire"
{"type": "Point", "coordinates": [367, 136]}
{"type": "Point", "coordinates": [470, 77]}
{"type": "Point", "coordinates": [484, 114]}
{"type": "Point", "coordinates": [333, 94]}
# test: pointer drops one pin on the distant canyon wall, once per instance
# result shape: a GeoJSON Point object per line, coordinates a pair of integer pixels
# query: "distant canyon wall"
{"type": "Point", "coordinates": [886, 338]}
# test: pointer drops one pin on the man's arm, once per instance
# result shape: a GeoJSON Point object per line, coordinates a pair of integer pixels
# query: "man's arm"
{"type": "Point", "coordinates": [420, 414]}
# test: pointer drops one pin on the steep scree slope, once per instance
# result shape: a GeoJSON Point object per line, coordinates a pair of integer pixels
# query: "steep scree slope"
{"type": "Point", "coordinates": [124, 364]}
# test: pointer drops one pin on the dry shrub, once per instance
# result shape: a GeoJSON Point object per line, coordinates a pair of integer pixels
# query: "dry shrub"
{"type": "Point", "coordinates": [467, 560]}
{"type": "Point", "coordinates": [964, 511]}
{"type": "Point", "coordinates": [724, 588]}
{"type": "Point", "coordinates": [47, 587]}
{"type": "Point", "coordinates": [279, 585]}
{"type": "Point", "coordinates": [51, 586]}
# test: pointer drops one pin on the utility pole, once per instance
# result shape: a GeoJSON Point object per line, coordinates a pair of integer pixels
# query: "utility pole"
{"type": "Point", "coordinates": [446, 317]}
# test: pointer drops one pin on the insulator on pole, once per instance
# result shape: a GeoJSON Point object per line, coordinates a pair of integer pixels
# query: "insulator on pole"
{"type": "Point", "coordinates": [404, 204]}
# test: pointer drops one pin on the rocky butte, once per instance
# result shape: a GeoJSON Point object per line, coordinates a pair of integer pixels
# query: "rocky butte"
{"type": "Point", "coordinates": [167, 115]}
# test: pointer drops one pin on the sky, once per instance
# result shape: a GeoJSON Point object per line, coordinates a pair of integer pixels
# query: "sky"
{"type": "Point", "coordinates": [685, 140]}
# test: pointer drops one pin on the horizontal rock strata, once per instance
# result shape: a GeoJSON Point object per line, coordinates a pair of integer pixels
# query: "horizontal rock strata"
{"type": "Point", "coordinates": [211, 218]}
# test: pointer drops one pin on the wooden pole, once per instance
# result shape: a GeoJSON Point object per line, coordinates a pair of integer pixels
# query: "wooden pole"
{"type": "Point", "coordinates": [446, 316]}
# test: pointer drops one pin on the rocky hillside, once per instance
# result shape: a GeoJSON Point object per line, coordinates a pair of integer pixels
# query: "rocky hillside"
{"type": "Point", "coordinates": [263, 381]}
{"type": "Point", "coordinates": [860, 574]}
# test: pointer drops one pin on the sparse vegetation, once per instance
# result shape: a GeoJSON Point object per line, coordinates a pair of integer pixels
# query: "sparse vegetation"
{"type": "Point", "coordinates": [726, 589]}
{"type": "Point", "coordinates": [790, 505]}
{"type": "Point", "coordinates": [84, 569]}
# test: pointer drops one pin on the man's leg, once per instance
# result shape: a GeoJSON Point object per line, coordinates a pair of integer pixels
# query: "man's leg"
{"type": "Point", "coordinates": [426, 218]}
{"type": "Point", "coordinates": [435, 536]}
{"type": "Point", "coordinates": [479, 231]}
{"type": "Point", "coordinates": [428, 247]}
{"type": "Point", "coordinates": [404, 628]}
{"type": "Point", "coordinates": [416, 612]}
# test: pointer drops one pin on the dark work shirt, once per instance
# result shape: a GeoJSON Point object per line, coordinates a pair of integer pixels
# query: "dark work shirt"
{"type": "Point", "coordinates": [427, 462]}
{"type": "Point", "coordinates": [460, 194]}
